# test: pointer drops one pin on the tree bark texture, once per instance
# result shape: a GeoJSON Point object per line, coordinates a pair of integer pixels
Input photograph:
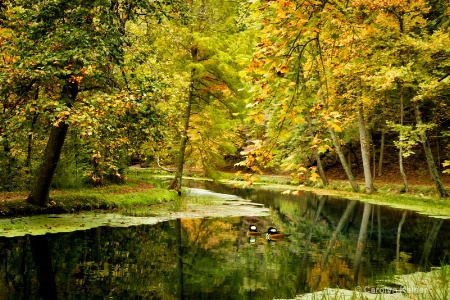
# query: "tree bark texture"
{"type": "Point", "coordinates": [39, 194]}
{"type": "Point", "coordinates": [364, 140]}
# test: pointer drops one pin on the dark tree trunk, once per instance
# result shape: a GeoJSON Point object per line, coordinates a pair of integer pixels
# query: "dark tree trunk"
{"type": "Point", "coordinates": [39, 194]}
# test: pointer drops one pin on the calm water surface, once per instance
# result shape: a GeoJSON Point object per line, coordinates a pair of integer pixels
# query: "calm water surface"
{"type": "Point", "coordinates": [332, 243]}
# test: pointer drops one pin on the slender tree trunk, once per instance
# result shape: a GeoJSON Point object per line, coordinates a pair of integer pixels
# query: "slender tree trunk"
{"type": "Point", "coordinates": [399, 232]}
{"type": "Point", "coordinates": [39, 194]}
{"type": "Point", "coordinates": [336, 142]}
{"type": "Point", "coordinates": [400, 151]}
{"type": "Point", "coordinates": [362, 239]}
{"type": "Point", "coordinates": [429, 156]}
{"type": "Point", "coordinates": [337, 146]}
{"type": "Point", "coordinates": [380, 159]}
{"type": "Point", "coordinates": [176, 183]}
{"type": "Point", "coordinates": [315, 152]}
{"type": "Point", "coordinates": [365, 149]}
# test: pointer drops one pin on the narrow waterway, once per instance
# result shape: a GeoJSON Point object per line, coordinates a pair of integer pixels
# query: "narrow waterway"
{"type": "Point", "coordinates": [329, 243]}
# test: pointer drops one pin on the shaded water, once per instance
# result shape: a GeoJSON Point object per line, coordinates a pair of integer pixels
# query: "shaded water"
{"type": "Point", "coordinates": [212, 258]}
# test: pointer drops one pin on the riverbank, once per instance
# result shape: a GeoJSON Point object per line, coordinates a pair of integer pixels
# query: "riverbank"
{"type": "Point", "coordinates": [143, 190]}
{"type": "Point", "coordinates": [422, 198]}
{"type": "Point", "coordinates": [118, 198]}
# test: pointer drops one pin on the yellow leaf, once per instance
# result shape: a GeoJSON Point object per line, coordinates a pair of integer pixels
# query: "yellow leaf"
{"type": "Point", "coordinates": [336, 127]}
{"type": "Point", "coordinates": [286, 192]}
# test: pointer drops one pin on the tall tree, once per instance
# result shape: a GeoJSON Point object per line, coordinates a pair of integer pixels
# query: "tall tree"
{"type": "Point", "coordinates": [209, 40]}
{"type": "Point", "coordinates": [70, 50]}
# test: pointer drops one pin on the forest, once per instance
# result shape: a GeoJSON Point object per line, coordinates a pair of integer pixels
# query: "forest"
{"type": "Point", "coordinates": [89, 88]}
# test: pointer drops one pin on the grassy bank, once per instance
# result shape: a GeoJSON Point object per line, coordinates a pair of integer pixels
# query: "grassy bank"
{"type": "Point", "coordinates": [142, 189]}
{"type": "Point", "coordinates": [113, 197]}
{"type": "Point", "coordinates": [421, 198]}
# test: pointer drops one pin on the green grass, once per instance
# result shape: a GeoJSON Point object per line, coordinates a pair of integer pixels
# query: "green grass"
{"type": "Point", "coordinates": [422, 199]}
{"type": "Point", "coordinates": [114, 197]}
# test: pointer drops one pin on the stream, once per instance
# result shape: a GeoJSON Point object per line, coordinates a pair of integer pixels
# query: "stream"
{"type": "Point", "coordinates": [329, 242]}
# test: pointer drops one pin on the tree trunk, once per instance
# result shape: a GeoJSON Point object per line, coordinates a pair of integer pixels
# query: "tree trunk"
{"type": "Point", "coordinates": [337, 146]}
{"type": "Point", "coordinates": [39, 194]}
{"type": "Point", "coordinates": [336, 142]}
{"type": "Point", "coordinates": [429, 156]}
{"type": "Point", "coordinates": [400, 151]}
{"type": "Point", "coordinates": [380, 159]}
{"type": "Point", "coordinates": [176, 183]}
{"type": "Point", "coordinates": [365, 149]}
{"type": "Point", "coordinates": [316, 153]}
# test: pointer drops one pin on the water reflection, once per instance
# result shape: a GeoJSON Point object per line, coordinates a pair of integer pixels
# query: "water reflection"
{"type": "Point", "coordinates": [331, 243]}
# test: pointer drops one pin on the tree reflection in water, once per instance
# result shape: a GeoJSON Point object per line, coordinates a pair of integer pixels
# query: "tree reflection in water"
{"type": "Point", "coordinates": [213, 258]}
